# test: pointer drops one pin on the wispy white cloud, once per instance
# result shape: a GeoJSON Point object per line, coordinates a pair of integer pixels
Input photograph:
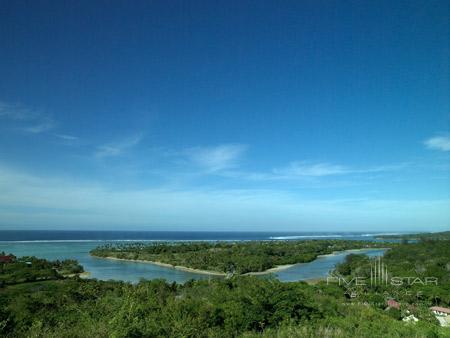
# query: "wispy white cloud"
{"type": "Point", "coordinates": [225, 160]}
{"type": "Point", "coordinates": [118, 148]}
{"type": "Point", "coordinates": [305, 169]}
{"type": "Point", "coordinates": [29, 120]}
{"type": "Point", "coordinates": [40, 127]}
{"type": "Point", "coordinates": [299, 169]}
{"type": "Point", "coordinates": [52, 201]}
{"type": "Point", "coordinates": [15, 112]}
{"type": "Point", "coordinates": [438, 143]}
{"type": "Point", "coordinates": [66, 137]}
{"type": "Point", "coordinates": [218, 158]}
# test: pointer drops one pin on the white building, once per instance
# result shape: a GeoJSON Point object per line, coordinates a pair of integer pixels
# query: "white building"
{"type": "Point", "coordinates": [410, 318]}
{"type": "Point", "coordinates": [442, 314]}
{"type": "Point", "coordinates": [441, 311]}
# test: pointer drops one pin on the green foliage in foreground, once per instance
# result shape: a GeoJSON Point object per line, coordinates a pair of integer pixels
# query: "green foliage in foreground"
{"type": "Point", "coordinates": [238, 257]}
{"type": "Point", "coordinates": [417, 274]}
{"type": "Point", "coordinates": [239, 307]}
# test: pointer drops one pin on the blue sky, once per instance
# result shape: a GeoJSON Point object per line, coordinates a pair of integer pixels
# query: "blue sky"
{"type": "Point", "coordinates": [228, 115]}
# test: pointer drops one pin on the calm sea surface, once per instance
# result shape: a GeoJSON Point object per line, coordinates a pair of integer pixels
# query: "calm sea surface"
{"type": "Point", "coordinates": [54, 245]}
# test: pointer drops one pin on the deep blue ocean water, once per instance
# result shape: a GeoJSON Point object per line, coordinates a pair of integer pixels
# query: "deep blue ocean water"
{"type": "Point", "coordinates": [55, 235]}
{"type": "Point", "coordinates": [54, 245]}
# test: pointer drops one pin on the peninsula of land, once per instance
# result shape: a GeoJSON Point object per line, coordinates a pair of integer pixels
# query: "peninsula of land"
{"type": "Point", "coordinates": [230, 258]}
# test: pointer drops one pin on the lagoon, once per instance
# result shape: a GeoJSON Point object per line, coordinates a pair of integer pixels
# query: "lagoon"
{"type": "Point", "coordinates": [104, 269]}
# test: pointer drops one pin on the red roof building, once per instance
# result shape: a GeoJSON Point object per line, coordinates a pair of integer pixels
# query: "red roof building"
{"type": "Point", "coordinates": [393, 304]}
{"type": "Point", "coordinates": [440, 310]}
{"type": "Point", "coordinates": [6, 259]}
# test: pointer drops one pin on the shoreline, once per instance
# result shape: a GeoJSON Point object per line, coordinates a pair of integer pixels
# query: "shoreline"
{"type": "Point", "coordinates": [288, 266]}
{"type": "Point", "coordinates": [271, 270]}
{"type": "Point", "coordinates": [334, 253]}
{"type": "Point", "coordinates": [223, 274]}
{"type": "Point", "coordinates": [203, 272]}
{"type": "Point", "coordinates": [83, 275]}
{"type": "Point", "coordinates": [167, 265]}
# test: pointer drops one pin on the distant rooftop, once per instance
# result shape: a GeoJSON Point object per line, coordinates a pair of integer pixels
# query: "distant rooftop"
{"type": "Point", "coordinates": [440, 309]}
{"type": "Point", "coordinates": [6, 259]}
{"type": "Point", "coordinates": [393, 303]}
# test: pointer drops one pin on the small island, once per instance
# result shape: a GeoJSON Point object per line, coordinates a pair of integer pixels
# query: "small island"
{"type": "Point", "coordinates": [230, 258]}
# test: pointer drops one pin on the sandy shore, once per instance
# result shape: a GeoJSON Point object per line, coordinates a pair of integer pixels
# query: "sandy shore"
{"type": "Point", "coordinates": [84, 274]}
{"type": "Point", "coordinates": [334, 253]}
{"type": "Point", "coordinates": [271, 270]}
{"type": "Point", "coordinates": [287, 266]}
{"type": "Point", "coordinates": [205, 272]}
{"type": "Point", "coordinates": [170, 266]}
{"type": "Point", "coordinates": [222, 274]}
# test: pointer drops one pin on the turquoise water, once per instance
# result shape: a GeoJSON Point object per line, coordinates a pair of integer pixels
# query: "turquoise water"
{"type": "Point", "coordinates": [98, 268]}
{"type": "Point", "coordinates": [320, 267]}
{"type": "Point", "coordinates": [132, 272]}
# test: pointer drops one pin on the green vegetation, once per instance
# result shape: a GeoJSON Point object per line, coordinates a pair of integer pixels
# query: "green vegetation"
{"type": "Point", "coordinates": [29, 269]}
{"type": "Point", "coordinates": [225, 257]}
{"type": "Point", "coordinates": [242, 306]}
{"type": "Point", "coordinates": [417, 273]}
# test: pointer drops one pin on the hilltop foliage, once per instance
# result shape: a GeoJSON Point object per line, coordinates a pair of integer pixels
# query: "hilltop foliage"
{"type": "Point", "coordinates": [242, 306]}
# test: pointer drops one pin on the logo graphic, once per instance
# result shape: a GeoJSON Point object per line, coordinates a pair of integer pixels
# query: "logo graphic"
{"type": "Point", "coordinates": [380, 276]}
{"type": "Point", "coordinates": [379, 273]}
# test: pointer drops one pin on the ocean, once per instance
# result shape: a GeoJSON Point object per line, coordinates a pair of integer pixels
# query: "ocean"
{"type": "Point", "coordinates": [60, 235]}
{"type": "Point", "coordinates": [54, 245]}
